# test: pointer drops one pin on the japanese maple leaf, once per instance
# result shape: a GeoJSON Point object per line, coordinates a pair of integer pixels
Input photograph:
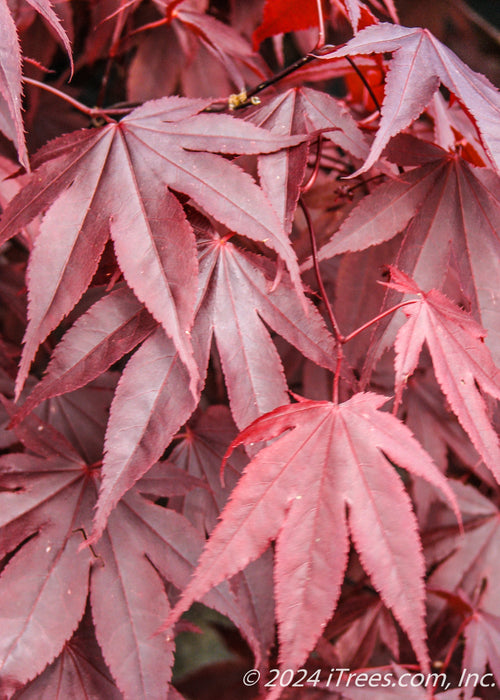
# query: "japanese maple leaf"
{"type": "Point", "coordinates": [419, 65]}
{"type": "Point", "coordinates": [461, 361]}
{"type": "Point", "coordinates": [239, 303]}
{"type": "Point", "coordinates": [299, 111]}
{"type": "Point", "coordinates": [374, 625]}
{"type": "Point", "coordinates": [11, 121]}
{"type": "Point", "coordinates": [79, 672]}
{"type": "Point", "coordinates": [482, 645]}
{"type": "Point", "coordinates": [432, 423]}
{"type": "Point", "coordinates": [439, 432]}
{"type": "Point", "coordinates": [452, 211]}
{"type": "Point", "coordinates": [47, 498]}
{"type": "Point", "coordinates": [296, 490]}
{"type": "Point", "coordinates": [202, 55]}
{"type": "Point", "coordinates": [200, 453]}
{"type": "Point", "coordinates": [462, 562]}
{"type": "Point", "coordinates": [360, 624]}
{"type": "Point", "coordinates": [112, 327]}
{"type": "Point", "coordinates": [235, 300]}
{"type": "Point", "coordinates": [481, 631]}
{"type": "Point", "coordinates": [95, 183]}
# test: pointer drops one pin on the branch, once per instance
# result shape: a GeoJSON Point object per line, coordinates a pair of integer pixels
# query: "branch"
{"type": "Point", "coordinates": [365, 83]}
{"type": "Point", "coordinates": [92, 112]}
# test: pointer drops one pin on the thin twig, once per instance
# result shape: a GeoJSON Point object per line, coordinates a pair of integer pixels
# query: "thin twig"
{"type": "Point", "coordinates": [378, 318]}
{"type": "Point", "coordinates": [365, 83]}
{"type": "Point", "coordinates": [302, 61]}
{"type": "Point", "coordinates": [92, 112]}
{"type": "Point", "coordinates": [115, 42]}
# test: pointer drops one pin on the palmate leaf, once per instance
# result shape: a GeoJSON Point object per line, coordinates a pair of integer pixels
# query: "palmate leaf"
{"type": "Point", "coordinates": [79, 672]}
{"type": "Point", "coordinates": [482, 644]}
{"type": "Point", "coordinates": [47, 501]}
{"type": "Point", "coordinates": [98, 182]}
{"type": "Point", "coordinates": [361, 636]}
{"type": "Point", "coordinates": [42, 497]}
{"type": "Point", "coordinates": [11, 121]}
{"type": "Point", "coordinates": [299, 111]}
{"type": "Point", "coordinates": [428, 416]}
{"type": "Point", "coordinates": [112, 327]}
{"type": "Point", "coordinates": [481, 631]}
{"type": "Point", "coordinates": [461, 361]}
{"type": "Point", "coordinates": [200, 55]}
{"type": "Point", "coordinates": [420, 63]}
{"type": "Point", "coordinates": [200, 453]}
{"type": "Point", "coordinates": [452, 211]}
{"type": "Point", "coordinates": [296, 490]}
{"type": "Point", "coordinates": [153, 400]}
{"type": "Point", "coordinates": [468, 562]}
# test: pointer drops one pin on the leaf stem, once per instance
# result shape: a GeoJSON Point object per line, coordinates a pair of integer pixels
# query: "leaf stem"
{"type": "Point", "coordinates": [314, 251]}
{"type": "Point", "coordinates": [314, 174]}
{"type": "Point", "coordinates": [338, 335]}
{"type": "Point", "coordinates": [377, 318]}
{"type": "Point", "coordinates": [321, 25]}
{"type": "Point", "coordinates": [92, 112]}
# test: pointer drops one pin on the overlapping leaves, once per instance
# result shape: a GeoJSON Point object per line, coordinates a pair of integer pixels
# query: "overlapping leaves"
{"type": "Point", "coordinates": [301, 111]}
{"type": "Point", "coordinates": [452, 212]}
{"type": "Point", "coordinates": [296, 490]}
{"type": "Point", "coordinates": [11, 121]}
{"type": "Point", "coordinates": [47, 495]}
{"type": "Point", "coordinates": [420, 63]}
{"type": "Point", "coordinates": [153, 400]}
{"type": "Point", "coordinates": [462, 363]}
{"type": "Point", "coordinates": [197, 311]}
{"type": "Point", "coordinates": [98, 182]}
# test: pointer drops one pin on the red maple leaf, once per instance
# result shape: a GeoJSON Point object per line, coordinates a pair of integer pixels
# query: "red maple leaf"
{"type": "Point", "coordinates": [79, 672]}
{"type": "Point", "coordinates": [200, 452]}
{"type": "Point", "coordinates": [235, 300]}
{"type": "Point", "coordinates": [296, 490]}
{"type": "Point", "coordinates": [282, 16]}
{"type": "Point", "coordinates": [47, 496]}
{"type": "Point", "coordinates": [196, 45]}
{"type": "Point", "coordinates": [420, 63]}
{"type": "Point", "coordinates": [467, 562]}
{"type": "Point", "coordinates": [301, 111]}
{"type": "Point", "coordinates": [451, 213]}
{"type": "Point", "coordinates": [11, 121]}
{"type": "Point", "coordinates": [481, 632]}
{"type": "Point", "coordinates": [461, 361]}
{"type": "Point", "coordinates": [109, 172]}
